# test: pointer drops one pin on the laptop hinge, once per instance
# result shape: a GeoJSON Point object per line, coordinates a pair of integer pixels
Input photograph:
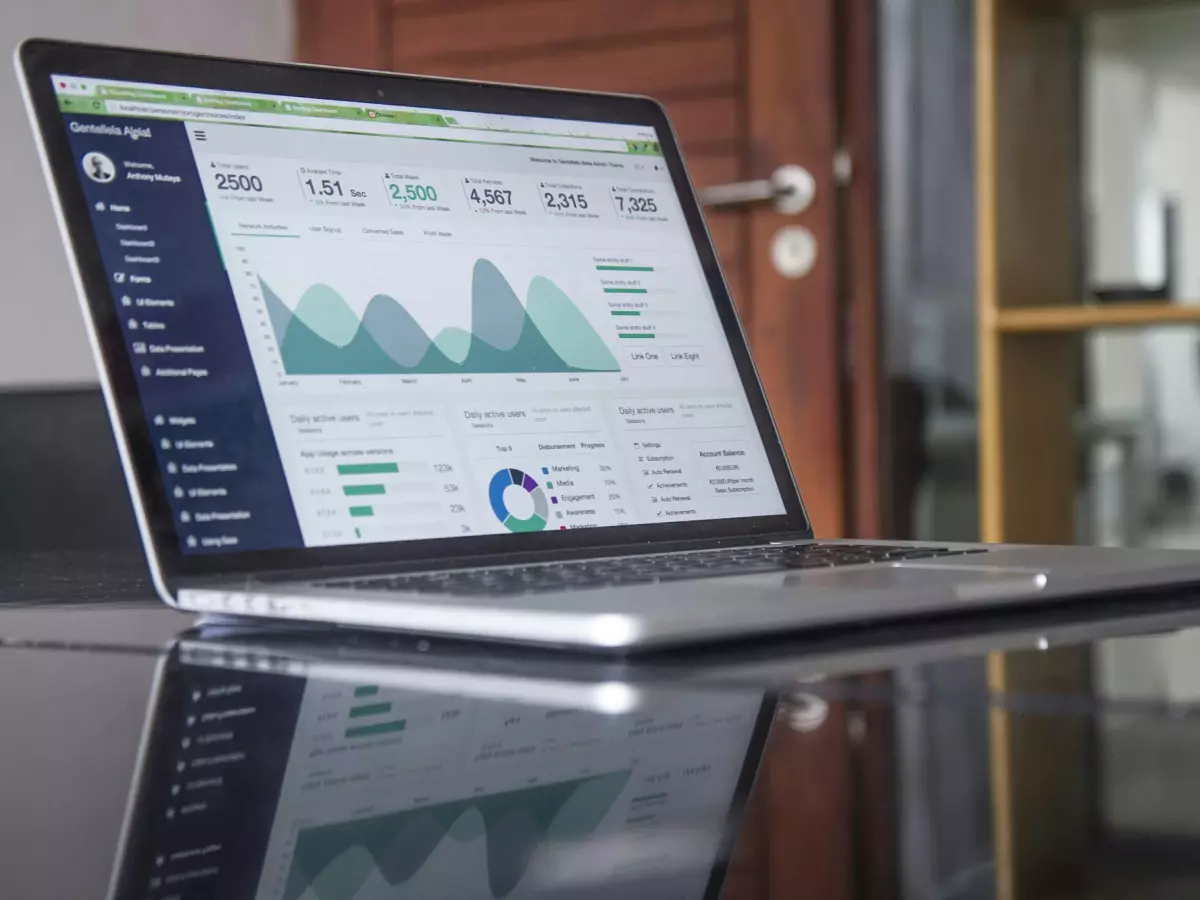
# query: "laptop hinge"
{"type": "Point", "coordinates": [309, 573]}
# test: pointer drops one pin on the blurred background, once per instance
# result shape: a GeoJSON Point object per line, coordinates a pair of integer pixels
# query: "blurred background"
{"type": "Point", "coordinates": [984, 325]}
{"type": "Point", "coordinates": [870, 350]}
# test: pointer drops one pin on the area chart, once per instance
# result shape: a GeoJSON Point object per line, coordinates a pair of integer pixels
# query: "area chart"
{"type": "Point", "coordinates": [323, 335]}
{"type": "Point", "coordinates": [334, 862]}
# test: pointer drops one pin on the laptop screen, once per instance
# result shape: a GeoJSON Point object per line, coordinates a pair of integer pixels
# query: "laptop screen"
{"type": "Point", "coordinates": [356, 324]}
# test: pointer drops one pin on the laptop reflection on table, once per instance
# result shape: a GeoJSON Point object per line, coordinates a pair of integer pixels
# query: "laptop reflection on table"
{"type": "Point", "coordinates": [264, 775]}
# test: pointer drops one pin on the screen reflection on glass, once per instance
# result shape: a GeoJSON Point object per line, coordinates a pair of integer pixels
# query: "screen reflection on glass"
{"type": "Point", "coordinates": [257, 782]}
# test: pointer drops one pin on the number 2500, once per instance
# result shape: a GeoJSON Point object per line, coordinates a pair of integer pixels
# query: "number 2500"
{"type": "Point", "coordinates": [412, 192]}
{"type": "Point", "coordinates": [238, 182]}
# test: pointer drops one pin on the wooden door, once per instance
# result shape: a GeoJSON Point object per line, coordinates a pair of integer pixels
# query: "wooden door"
{"type": "Point", "coordinates": [750, 85]}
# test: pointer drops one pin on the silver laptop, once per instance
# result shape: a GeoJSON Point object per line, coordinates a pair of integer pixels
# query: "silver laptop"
{"type": "Point", "coordinates": [458, 358]}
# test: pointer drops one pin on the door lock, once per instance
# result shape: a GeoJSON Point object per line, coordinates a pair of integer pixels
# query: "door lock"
{"type": "Point", "coordinates": [793, 251]}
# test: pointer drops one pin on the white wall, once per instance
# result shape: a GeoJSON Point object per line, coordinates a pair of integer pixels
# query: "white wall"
{"type": "Point", "coordinates": [42, 339]}
{"type": "Point", "coordinates": [1143, 139]}
{"type": "Point", "coordinates": [1118, 126]}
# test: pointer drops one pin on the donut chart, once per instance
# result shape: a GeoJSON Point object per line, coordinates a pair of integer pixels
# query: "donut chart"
{"type": "Point", "coordinates": [541, 506]}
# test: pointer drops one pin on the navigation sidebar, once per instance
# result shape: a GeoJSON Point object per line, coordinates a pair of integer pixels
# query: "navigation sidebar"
{"type": "Point", "coordinates": [207, 417]}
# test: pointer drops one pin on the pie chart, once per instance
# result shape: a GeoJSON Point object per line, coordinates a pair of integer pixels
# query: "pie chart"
{"type": "Point", "coordinates": [500, 496]}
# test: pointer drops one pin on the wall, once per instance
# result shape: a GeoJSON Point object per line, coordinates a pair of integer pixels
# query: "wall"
{"type": "Point", "coordinates": [1143, 108]}
{"type": "Point", "coordinates": [42, 340]}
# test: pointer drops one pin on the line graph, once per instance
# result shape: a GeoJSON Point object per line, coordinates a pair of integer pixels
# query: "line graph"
{"type": "Point", "coordinates": [322, 334]}
{"type": "Point", "coordinates": [336, 861]}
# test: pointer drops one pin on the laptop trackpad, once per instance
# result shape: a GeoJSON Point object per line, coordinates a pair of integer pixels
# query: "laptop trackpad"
{"type": "Point", "coordinates": [967, 582]}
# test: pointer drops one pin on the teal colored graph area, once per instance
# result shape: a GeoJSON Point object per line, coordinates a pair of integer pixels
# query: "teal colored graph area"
{"type": "Point", "coordinates": [323, 335]}
{"type": "Point", "coordinates": [335, 861]}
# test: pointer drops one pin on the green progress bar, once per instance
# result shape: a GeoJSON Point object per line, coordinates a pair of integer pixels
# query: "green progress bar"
{"type": "Point", "coordinates": [372, 730]}
{"type": "Point", "coordinates": [633, 337]}
{"type": "Point", "coordinates": [646, 798]}
{"type": "Point", "coordinates": [625, 312]}
{"type": "Point", "coordinates": [371, 709]}
{"type": "Point", "coordinates": [624, 268]}
{"type": "Point", "coordinates": [361, 512]}
{"type": "Point", "coordinates": [369, 469]}
{"type": "Point", "coordinates": [366, 690]}
{"type": "Point", "coordinates": [362, 490]}
{"type": "Point", "coordinates": [624, 290]}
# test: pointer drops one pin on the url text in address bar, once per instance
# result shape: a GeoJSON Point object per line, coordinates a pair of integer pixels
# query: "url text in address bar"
{"type": "Point", "coordinates": [474, 135]}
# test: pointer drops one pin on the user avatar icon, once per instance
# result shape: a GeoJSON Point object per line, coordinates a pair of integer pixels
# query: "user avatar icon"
{"type": "Point", "coordinates": [99, 167]}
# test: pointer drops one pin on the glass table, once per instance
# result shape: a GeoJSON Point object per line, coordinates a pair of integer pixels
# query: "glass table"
{"type": "Point", "coordinates": [144, 754]}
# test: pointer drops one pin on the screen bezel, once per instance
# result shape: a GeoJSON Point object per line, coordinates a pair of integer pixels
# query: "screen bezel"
{"type": "Point", "coordinates": [39, 59]}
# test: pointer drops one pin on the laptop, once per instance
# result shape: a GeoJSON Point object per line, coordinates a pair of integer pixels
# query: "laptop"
{"type": "Point", "coordinates": [458, 358]}
{"type": "Point", "coordinates": [267, 775]}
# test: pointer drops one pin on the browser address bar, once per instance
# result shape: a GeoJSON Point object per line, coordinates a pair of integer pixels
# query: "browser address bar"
{"type": "Point", "coordinates": [159, 111]}
{"type": "Point", "coordinates": [473, 135]}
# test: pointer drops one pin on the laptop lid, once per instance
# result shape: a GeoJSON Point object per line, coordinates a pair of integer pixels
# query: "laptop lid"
{"type": "Point", "coordinates": [347, 317]}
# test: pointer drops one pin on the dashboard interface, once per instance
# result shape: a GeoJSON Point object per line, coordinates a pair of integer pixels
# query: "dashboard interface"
{"type": "Point", "coordinates": [355, 324]}
{"type": "Point", "coordinates": [276, 786]}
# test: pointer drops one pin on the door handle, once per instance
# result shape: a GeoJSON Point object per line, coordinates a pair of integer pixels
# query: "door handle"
{"type": "Point", "coordinates": [790, 189]}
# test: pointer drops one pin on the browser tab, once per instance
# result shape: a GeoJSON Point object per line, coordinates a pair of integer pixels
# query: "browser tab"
{"type": "Point", "coordinates": [146, 95]}
{"type": "Point", "coordinates": [408, 118]}
{"type": "Point", "coordinates": [225, 101]}
{"type": "Point", "coordinates": [320, 109]}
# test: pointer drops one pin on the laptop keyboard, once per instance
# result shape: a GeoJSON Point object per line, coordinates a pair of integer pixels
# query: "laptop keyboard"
{"type": "Point", "coordinates": [626, 570]}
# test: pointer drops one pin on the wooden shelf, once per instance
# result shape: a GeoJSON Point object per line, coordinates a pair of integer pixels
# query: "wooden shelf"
{"type": "Point", "coordinates": [1052, 319]}
{"type": "Point", "coordinates": [1029, 186]}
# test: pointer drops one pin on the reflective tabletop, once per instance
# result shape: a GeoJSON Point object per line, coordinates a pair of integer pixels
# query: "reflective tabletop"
{"type": "Point", "coordinates": [145, 754]}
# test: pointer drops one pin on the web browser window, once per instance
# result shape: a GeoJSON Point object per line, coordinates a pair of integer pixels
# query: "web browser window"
{"type": "Point", "coordinates": [355, 324]}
